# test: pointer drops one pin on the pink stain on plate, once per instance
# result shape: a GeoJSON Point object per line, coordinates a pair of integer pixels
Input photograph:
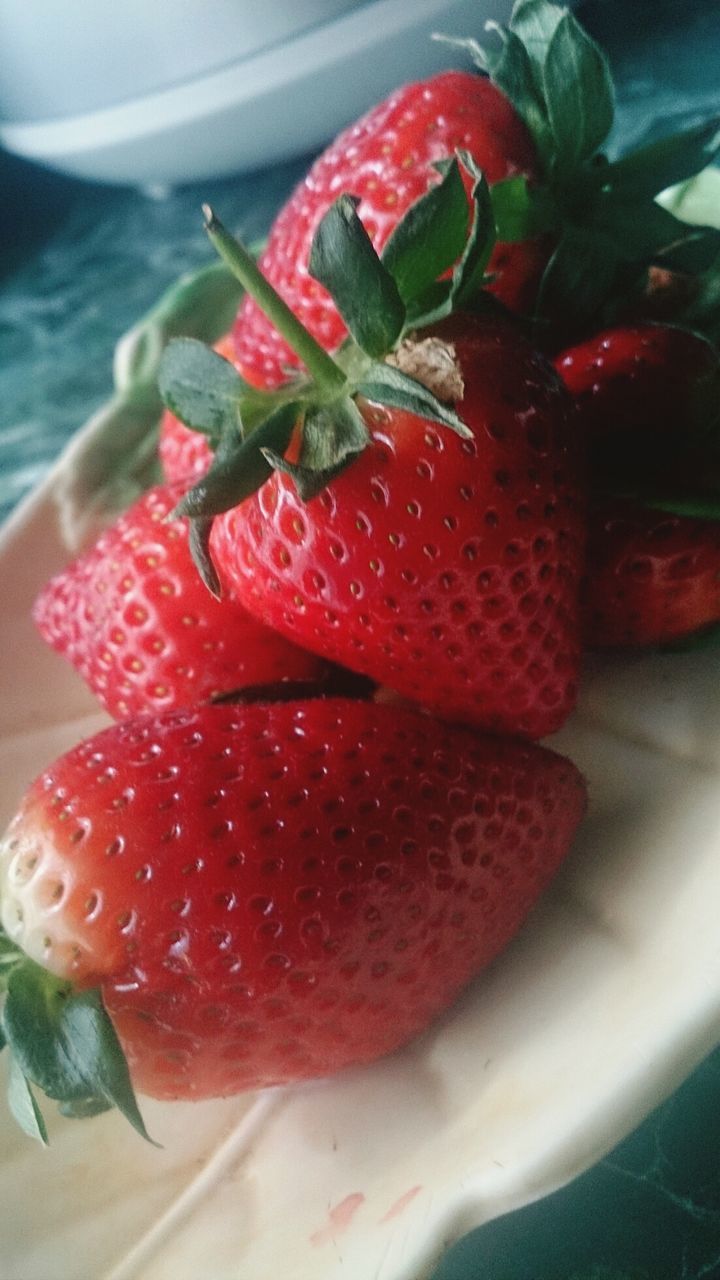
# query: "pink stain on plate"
{"type": "Point", "coordinates": [339, 1218]}
{"type": "Point", "coordinates": [396, 1209]}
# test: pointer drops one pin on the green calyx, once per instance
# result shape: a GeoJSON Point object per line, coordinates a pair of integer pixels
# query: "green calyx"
{"type": "Point", "coordinates": [602, 215]}
{"type": "Point", "coordinates": [433, 265]}
{"type": "Point", "coordinates": [62, 1042]}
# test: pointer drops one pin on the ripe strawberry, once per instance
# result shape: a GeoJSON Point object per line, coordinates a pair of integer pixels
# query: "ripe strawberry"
{"type": "Point", "coordinates": [186, 455]}
{"type": "Point", "coordinates": [649, 378]}
{"type": "Point", "coordinates": [271, 892]}
{"type": "Point", "coordinates": [388, 160]}
{"type": "Point", "coordinates": [445, 568]}
{"type": "Point", "coordinates": [652, 577]}
{"type": "Point", "coordinates": [133, 617]}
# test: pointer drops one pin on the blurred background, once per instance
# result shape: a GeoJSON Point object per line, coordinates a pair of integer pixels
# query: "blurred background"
{"type": "Point", "coordinates": [116, 121]}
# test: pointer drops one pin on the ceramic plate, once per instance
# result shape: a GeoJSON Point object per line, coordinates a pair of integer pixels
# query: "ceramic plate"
{"type": "Point", "coordinates": [609, 997]}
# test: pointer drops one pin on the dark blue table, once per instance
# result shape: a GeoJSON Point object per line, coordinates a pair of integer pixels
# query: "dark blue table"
{"type": "Point", "coordinates": [78, 265]}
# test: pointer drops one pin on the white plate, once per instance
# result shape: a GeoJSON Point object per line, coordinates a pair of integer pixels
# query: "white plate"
{"type": "Point", "coordinates": [277, 102]}
{"type": "Point", "coordinates": [607, 1000]}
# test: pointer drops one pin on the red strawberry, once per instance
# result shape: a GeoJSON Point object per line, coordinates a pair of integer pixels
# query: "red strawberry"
{"type": "Point", "coordinates": [642, 378]}
{"type": "Point", "coordinates": [445, 568]}
{"type": "Point", "coordinates": [647, 396]}
{"type": "Point", "coordinates": [271, 892]}
{"type": "Point", "coordinates": [185, 454]}
{"type": "Point", "coordinates": [387, 159]}
{"type": "Point", "coordinates": [133, 617]}
{"type": "Point", "coordinates": [652, 577]}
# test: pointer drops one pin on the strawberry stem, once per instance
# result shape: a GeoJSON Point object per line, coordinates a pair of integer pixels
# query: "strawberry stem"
{"type": "Point", "coordinates": [327, 375]}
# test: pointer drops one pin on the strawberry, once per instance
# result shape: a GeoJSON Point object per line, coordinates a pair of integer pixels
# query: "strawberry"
{"type": "Point", "coordinates": [445, 568]}
{"type": "Point", "coordinates": [652, 576]}
{"type": "Point", "coordinates": [134, 619]}
{"type": "Point", "coordinates": [268, 892]}
{"type": "Point", "coordinates": [650, 378]}
{"type": "Point", "coordinates": [388, 160]}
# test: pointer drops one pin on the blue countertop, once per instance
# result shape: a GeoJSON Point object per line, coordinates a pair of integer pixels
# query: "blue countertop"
{"type": "Point", "coordinates": [78, 265]}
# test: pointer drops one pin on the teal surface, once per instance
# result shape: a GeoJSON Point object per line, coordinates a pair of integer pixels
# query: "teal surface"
{"type": "Point", "coordinates": [78, 266]}
{"type": "Point", "coordinates": [650, 1211]}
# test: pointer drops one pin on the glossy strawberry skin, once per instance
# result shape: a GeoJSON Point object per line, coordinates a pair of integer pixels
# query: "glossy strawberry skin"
{"type": "Point", "coordinates": [272, 892]}
{"type": "Point", "coordinates": [387, 159]}
{"type": "Point", "coordinates": [652, 577]}
{"type": "Point", "coordinates": [134, 619]}
{"type": "Point", "coordinates": [647, 378]}
{"type": "Point", "coordinates": [446, 569]}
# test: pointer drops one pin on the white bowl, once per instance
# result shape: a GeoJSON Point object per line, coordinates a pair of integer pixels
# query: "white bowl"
{"type": "Point", "coordinates": [167, 92]}
{"type": "Point", "coordinates": [609, 997]}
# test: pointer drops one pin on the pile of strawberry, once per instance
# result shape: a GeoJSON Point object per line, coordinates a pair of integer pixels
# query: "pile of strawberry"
{"type": "Point", "coordinates": [463, 428]}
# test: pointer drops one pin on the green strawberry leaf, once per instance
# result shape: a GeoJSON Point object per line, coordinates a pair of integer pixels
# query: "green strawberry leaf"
{"type": "Point", "coordinates": [695, 253]}
{"type": "Point", "coordinates": [390, 386]}
{"type": "Point", "coordinates": [576, 281]}
{"type": "Point", "coordinates": [653, 168]}
{"type": "Point", "coordinates": [700, 508]}
{"type": "Point", "coordinates": [239, 468]}
{"type": "Point", "coordinates": [639, 239]}
{"type": "Point", "coordinates": [432, 305]}
{"type": "Point", "coordinates": [201, 388]}
{"type": "Point", "coordinates": [535, 22]}
{"type": "Point", "coordinates": [23, 1104]}
{"type": "Point", "coordinates": [512, 71]}
{"type": "Point", "coordinates": [65, 1043]}
{"type": "Point", "coordinates": [578, 93]}
{"type": "Point", "coordinates": [84, 1108]}
{"type": "Point", "coordinates": [521, 211]}
{"type": "Point", "coordinates": [430, 237]}
{"type": "Point", "coordinates": [469, 274]}
{"type": "Point", "coordinates": [333, 435]}
{"type": "Point", "coordinates": [199, 531]}
{"type": "Point", "coordinates": [442, 297]}
{"type": "Point", "coordinates": [308, 482]}
{"type": "Point", "coordinates": [343, 260]}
